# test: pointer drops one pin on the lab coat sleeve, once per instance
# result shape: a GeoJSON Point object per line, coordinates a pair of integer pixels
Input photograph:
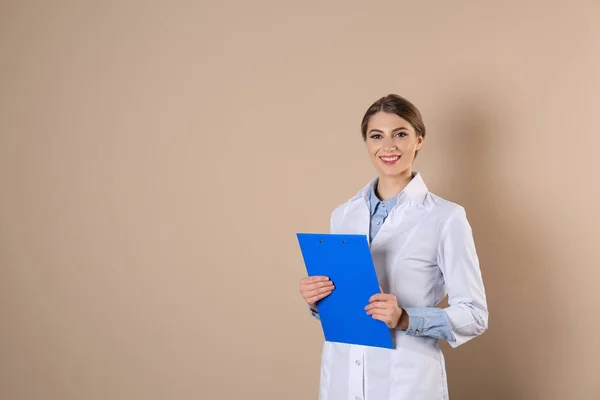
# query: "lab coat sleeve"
{"type": "Point", "coordinates": [467, 312]}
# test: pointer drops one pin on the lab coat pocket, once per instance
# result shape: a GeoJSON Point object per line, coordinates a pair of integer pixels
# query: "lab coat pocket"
{"type": "Point", "coordinates": [416, 375]}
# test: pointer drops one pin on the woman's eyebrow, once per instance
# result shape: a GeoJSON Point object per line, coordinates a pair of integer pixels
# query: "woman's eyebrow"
{"type": "Point", "coordinates": [394, 130]}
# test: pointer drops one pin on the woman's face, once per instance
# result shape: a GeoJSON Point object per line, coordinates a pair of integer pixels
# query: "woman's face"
{"type": "Point", "coordinates": [391, 143]}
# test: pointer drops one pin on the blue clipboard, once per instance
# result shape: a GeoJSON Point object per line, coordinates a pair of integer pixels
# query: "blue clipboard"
{"type": "Point", "coordinates": [346, 260]}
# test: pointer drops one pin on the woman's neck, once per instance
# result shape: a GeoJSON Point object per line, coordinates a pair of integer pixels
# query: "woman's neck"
{"type": "Point", "coordinates": [391, 186]}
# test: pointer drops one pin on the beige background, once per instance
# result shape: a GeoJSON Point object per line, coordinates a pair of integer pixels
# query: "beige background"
{"type": "Point", "coordinates": [157, 160]}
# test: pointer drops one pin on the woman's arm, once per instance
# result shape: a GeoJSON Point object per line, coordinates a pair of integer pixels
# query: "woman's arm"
{"type": "Point", "coordinates": [467, 314]}
{"type": "Point", "coordinates": [416, 321]}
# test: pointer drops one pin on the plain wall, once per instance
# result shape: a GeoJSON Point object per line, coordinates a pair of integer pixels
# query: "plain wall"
{"type": "Point", "coordinates": [157, 159]}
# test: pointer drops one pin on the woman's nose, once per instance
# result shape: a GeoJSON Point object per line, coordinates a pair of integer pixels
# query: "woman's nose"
{"type": "Point", "coordinates": [388, 144]}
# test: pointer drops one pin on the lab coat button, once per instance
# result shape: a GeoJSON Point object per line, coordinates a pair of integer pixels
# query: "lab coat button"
{"type": "Point", "coordinates": [357, 362]}
{"type": "Point", "coordinates": [357, 398]}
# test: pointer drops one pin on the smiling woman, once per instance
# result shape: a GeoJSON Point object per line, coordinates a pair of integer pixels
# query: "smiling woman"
{"type": "Point", "coordinates": [422, 248]}
{"type": "Point", "coordinates": [392, 141]}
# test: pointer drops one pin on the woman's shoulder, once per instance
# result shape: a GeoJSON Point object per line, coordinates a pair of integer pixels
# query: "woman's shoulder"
{"type": "Point", "coordinates": [355, 200]}
{"type": "Point", "coordinates": [347, 207]}
{"type": "Point", "coordinates": [444, 209]}
{"type": "Point", "coordinates": [340, 210]}
{"type": "Point", "coordinates": [441, 204]}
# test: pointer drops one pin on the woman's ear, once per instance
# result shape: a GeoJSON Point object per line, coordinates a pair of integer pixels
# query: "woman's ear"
{"type": "Point", "coordinates": [419, 142]}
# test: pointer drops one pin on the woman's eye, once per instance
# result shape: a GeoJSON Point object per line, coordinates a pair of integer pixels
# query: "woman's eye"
{"type": "Point", "coordinates": [401, 134]}
{"type": "Point", "coordinates": [375, 136]}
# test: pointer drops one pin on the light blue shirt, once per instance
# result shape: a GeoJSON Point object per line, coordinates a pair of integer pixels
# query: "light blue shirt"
{"type": "Point", "coordinates": [379, 211]}
{"type": "Point", "coordinates": [423, 321]}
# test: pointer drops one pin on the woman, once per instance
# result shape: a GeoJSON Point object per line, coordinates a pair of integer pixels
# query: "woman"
{"type": "Point", "coordinates": [422, 248]}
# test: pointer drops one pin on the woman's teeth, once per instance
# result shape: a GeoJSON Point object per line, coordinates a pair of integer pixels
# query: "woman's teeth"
{"type": "Point", "coordinates": [390, 159]}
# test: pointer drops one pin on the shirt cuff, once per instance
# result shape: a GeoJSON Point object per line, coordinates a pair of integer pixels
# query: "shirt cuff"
{"type": "Point", "coordinates": [429, 321]}
{"type": "Point", "coordinates": [314, 313]}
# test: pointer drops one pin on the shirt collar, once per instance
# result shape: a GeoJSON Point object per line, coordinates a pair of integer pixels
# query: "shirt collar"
{"type": "Point", "coordinates": [373, 199]}
{"type": "Point", "coordinates": [415, 191]}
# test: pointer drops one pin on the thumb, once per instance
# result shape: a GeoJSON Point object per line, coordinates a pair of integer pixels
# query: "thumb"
{"type": "Point", "coordinates": [380, 289]}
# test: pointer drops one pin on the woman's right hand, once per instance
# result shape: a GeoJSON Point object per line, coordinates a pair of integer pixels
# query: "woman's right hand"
{"type": "Point", "coordinates": [315, 288]}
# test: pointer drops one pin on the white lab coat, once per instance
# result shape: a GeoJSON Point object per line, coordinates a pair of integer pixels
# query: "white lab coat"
{"type": "Point", "coordinates": [423, 250]}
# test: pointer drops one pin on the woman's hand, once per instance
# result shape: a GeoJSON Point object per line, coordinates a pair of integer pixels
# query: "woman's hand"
{"type": "Point", "coordinates": [315, 288]}
{"type": "Point", "coordinates": [384, 307]}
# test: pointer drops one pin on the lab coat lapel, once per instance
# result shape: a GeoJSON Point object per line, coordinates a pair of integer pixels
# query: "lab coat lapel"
{"type": "Point", "coordinates": [403, 219]}
{"type": "Point", "coordinates": [392, 237]}
{"type": "Point", "coordinates": [359, 218]}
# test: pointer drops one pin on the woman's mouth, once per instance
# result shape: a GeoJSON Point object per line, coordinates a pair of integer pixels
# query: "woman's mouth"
{"type": "Point", "coordinates": [389, 160]}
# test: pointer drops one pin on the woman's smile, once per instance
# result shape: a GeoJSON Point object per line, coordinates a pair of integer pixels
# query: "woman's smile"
{"type": "Point", "coordinates": [390, 160]}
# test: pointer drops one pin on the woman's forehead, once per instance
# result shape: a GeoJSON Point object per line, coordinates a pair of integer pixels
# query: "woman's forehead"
{"type": "Point", "coordinates": [388, 121]}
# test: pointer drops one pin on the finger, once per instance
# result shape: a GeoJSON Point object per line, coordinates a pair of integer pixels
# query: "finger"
{"type": "Point", "coordinates": [382, 317]}
{"type": "Point", "coordinates": [375, 297]}
{"type": "Point", "coordinates": [318, 297]}
{"type": "Point", "coordinates": [314, 299]}
{"type": "Point", "coordinates": [379, 305]}
{"type": "Point", "coordinates": [316, 278]}
{"type": "Point", "coordinates": [312, 279]}
{"type": "Point", "coordinates": [381, 297]}
{"type": "Point", "coordinates": [380, 310]}
{"type": "Point", "coordinates": [315, 286]}
{"type": "Point", "coordinates": [379, 315]}
{"type": "Point", "coordinates": [380, 289]}
{"type": "Point", "coordinates": [313, 292]}
{"type": "Point", "coordinates": [387, 321]}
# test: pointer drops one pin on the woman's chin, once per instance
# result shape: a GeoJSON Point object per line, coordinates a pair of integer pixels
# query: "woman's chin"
{"type": "Point", "coordinates": [391, 172]}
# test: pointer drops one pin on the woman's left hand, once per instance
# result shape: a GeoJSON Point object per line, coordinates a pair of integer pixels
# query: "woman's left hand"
{"type": "Point", "coordinates": [384, 307]}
